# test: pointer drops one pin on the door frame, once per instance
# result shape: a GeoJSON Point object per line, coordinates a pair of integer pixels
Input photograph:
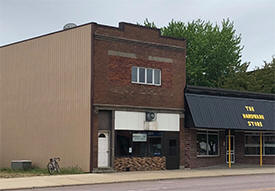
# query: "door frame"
{"type": "Point", "coordinates": [172, 160]}
{"type": "Point", "coordinates": [233, 157]}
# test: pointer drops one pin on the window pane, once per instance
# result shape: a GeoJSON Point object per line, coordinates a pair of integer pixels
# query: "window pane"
{"type": "Point", "coordinates": [269, 144]}
{"type": "Point", "coordinates": [269, 150]}
{"type": "Point", "coordinates": [142, 75]}
{"type": "Point", "coordinates": [134, 74]}
{"type": "Point", "coordinates": [213, 144]}
{"type": "Point", "coordinates": [252, 139]}
{"type": "Point", "coordinates": [269, 140]}
{"type": "Point", "coordinates": [156, 76]}
{"type": "Point", "coordinates": [149, 76]}
{"type": "Point", "coordinates": [123, 141]}
{"type": "Point", "coordinates": [201, 144]}
{"type": "Point", "coordinates": [155, 146]}
{"type": "Point", "coordinates": [252, 150]}
{"type": "Point", "coordinates": [140, 149]}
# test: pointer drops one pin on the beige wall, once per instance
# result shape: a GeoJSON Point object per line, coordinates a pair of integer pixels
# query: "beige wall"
{"type": "Point", "coordinates": [45, 99]}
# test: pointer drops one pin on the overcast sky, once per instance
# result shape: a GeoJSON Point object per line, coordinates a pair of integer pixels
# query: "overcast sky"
{"type": "Point", "coordinates": [253, 19]}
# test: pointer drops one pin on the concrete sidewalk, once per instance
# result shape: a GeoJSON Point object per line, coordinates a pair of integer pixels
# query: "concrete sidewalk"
{"type": "Point", "coordinates": [84, 179]}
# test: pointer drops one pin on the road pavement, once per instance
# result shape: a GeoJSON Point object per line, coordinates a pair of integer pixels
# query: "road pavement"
{"type": "Point", "coordinates": [264, 182]}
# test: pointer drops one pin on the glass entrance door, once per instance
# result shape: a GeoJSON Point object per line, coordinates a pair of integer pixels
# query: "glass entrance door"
{"type": "Point", "coordinates": [232, 148]}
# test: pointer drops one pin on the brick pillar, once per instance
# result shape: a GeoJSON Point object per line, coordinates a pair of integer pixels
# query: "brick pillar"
{"type": "Point", "coordinates": [187, 147]}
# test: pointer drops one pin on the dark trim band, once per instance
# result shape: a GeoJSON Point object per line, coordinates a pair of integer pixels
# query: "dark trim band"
{"type": "Point", "coordinates": [126, 40]}
{"type": "Point", "coordinates": [137, 108]}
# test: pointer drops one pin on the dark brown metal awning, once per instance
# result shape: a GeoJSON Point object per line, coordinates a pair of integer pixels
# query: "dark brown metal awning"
{"type": "Point", "coordinates": [231, 113]}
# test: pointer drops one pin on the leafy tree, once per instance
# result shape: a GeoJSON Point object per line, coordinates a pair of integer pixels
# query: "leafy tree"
{"type": "Point", "coordinates": [265, 77]}
{"type": "Point", "coordinates": [213, 51]}
{"type": "Point", "coordinates": [259, 80]}
{"type": "Point", "coordinates": [214, 57]}
{"type": "Point", "coordinates": [240, 80]}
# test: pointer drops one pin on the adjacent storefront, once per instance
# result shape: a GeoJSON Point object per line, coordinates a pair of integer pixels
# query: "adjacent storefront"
{"type": "Point", "coordinates": [228, 127]}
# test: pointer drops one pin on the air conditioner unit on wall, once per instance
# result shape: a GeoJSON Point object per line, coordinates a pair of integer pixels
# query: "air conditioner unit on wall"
{"type": "Point", "coordinates": [150, 116]}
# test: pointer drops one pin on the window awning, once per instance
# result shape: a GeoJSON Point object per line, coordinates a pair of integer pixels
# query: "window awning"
{"type": "Point", "coordinates": [220, 112]}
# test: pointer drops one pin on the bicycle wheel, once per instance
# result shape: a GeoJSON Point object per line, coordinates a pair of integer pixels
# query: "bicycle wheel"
{"type": "Point", "coordinates": [50, 168]}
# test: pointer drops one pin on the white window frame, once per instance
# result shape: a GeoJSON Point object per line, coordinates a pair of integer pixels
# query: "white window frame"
{"type": "Point", "coordinates": [257, 145]}
{"type": "Point", "coordinates": [153, 76]}
{"type": "Point", "coordinates": [213, 132]}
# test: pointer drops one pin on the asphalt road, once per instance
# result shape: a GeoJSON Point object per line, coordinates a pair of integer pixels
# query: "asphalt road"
{"type": "Point", "coordinates": [229, 183]}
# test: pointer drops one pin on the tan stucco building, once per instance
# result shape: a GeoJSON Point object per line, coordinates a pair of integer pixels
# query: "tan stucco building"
{"type": "Point", "coordinates": [45, 99]}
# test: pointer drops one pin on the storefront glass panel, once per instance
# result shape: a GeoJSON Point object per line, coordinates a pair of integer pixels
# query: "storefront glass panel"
{"type": "Point", "coordinates": [207, 143]}
{"type": "Point", "coordinates": [139, 144]}
{"type": "Point", "coordinates": [252, 144]}
{"type": "Point", "coordinates": [201, 144]}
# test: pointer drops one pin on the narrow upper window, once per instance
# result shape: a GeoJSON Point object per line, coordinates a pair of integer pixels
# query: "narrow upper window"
{"type": "Point", "coordinates": [157, 76]}
{"type": "Point", "coordinates": [142, 75]}
{"type": "Point", "coordinates": [134, 74]}
{"type": "Point", "coordinates": [148, 76]}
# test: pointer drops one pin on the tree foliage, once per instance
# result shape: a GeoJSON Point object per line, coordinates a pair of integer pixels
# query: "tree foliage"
{"type": "Point", "coordinates": [259, 80]}
{"type": "Point", "coordinates": [214, 57]}
{"type": "Point", "coordinates": [147, 23]}
{"type": "Point", "coordinates": [213, 51]}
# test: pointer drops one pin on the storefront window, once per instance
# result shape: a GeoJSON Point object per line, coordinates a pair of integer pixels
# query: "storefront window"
{"type": "Point", "coordinates": [155, 146]}
{"type": "Point", "coordinates": [252, 144]}
{"type": "Point", "coordinates": [207, 143]}
{"type": "Point", "coordinates": [123, 143]}
{"type": "Point", "coordinates": [139, 149]}
{"type": "Point", "coordinates": [139, 144]}
{"type": "Point", "coordinates": [202, 144]}
{"type": "Point", "coordinates": [269, 144]}
{"type": "Point", "coordinates": [213, 141]}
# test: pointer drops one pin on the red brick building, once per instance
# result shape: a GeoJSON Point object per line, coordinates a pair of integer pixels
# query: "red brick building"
{"type": "Point", "coordinates": [137, 73]}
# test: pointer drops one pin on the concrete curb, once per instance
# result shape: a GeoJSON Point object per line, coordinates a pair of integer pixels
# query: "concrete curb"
{"type": "Point", "coordinates": [77, 180]}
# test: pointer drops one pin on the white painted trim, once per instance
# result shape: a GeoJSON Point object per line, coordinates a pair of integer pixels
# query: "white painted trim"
{"type": "Point", "coordinates": [145, 82]}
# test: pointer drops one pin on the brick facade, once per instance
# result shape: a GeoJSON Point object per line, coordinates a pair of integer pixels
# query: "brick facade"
{"type": "Point", "coordinates": [114, 52]}
{"type": "Point", "coordinates": [112, 83]}
{"type": "Point", "coordinates": [191, 160]}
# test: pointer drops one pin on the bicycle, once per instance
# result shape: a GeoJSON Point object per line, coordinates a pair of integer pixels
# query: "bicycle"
{"type": "Point", "coordinates": [53, 165]}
